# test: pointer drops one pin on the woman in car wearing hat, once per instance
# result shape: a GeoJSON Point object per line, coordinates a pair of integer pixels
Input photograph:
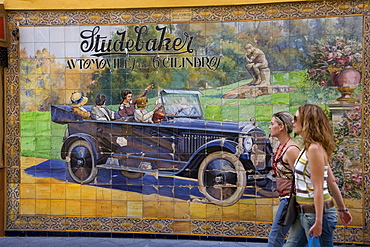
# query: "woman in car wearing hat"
{"type": "Point", "coordinates": [78, 100]}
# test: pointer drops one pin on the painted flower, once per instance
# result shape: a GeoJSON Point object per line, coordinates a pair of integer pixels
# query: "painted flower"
{"type": "Point", "coordinates": [348, 187]}
{"type": "Point", "coordinates": [329, 56]}
{"type": "Point", "coordinates": [354, 116]}
{"type": "Point", "coordinates": [347, 158]}
{"type": "Point", "coordinates": [357, 108]}
{"type": "Point", "coordinates": [342, 60]}
{"type": "Point", "coordinates": [357, 178]}
{"type": "Point", "coordinates": [357, 125]}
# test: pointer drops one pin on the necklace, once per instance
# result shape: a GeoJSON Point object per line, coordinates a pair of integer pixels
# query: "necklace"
{"type": "Point", "coordinates": [278, 154]}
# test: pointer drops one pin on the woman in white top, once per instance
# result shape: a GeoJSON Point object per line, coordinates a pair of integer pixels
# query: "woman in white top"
{"type": "Point", "coordinates": [314, 180]}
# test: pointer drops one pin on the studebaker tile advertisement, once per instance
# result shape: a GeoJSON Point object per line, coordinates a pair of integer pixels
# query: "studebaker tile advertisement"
{"type": "Point", "coordinates": [170, 121]}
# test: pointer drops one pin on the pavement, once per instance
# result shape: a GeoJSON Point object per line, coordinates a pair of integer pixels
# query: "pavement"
{"type": "Point", "coordinates": [115, 242]}
{"type": "Point", "coordinates": [126, 242]}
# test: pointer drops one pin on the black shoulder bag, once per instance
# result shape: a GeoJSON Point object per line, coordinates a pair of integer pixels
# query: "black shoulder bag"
{"type": "Point", "coordinates": [290, 211]}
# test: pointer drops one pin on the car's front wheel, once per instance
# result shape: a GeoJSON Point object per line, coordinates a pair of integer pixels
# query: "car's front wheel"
{"type": "Point", "coordinates": [81, 162]}
{"type": "Point", "coordinates": [222, 178]}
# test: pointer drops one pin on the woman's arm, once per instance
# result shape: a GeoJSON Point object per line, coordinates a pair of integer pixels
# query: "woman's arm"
{"type": "Point", "coordinates": [344, 214]}
{"type": "Point", "coordinates": [143, 93]}
{"type": "Point", "coordinates": [317, 159]}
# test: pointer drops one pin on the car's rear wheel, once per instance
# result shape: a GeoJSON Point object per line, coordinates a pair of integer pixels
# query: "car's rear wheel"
{"type": "Point", "coordinates": [131, 175]}
{"type": "Point", "coordinates": [222, 178]}
{"type": "Point", "coordinates": [81, 162]}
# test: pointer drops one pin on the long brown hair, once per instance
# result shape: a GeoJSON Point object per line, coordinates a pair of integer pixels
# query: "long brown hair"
{"type": "Point", "coordinates": [316, 128]}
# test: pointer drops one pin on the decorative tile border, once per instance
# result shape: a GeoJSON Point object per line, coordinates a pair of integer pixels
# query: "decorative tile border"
{"type": "Point", "coordinates": [206, 14]}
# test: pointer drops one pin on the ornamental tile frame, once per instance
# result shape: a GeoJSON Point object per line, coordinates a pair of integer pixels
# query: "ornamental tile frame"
{"type": "Point", "coordinates": [15, 221]}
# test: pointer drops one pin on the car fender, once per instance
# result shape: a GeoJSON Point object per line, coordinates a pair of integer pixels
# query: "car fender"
{"type": "Point", "coordinates": [79, 136]}
{"type": "Point", "coordinates": [191, 168]}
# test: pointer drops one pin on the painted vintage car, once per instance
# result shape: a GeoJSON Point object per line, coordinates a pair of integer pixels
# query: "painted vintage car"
{"type": "Point", "coordinates": [223, 156]}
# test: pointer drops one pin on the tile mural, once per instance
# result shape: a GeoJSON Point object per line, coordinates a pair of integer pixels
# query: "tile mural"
{"type": "Point", "coordinates": [196, 161]}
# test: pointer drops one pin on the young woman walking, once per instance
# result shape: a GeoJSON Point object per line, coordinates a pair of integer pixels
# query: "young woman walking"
{"type": "Point", "coordinates": [314, 180]}
{"type": "Point", "coordinates": [281, 126]}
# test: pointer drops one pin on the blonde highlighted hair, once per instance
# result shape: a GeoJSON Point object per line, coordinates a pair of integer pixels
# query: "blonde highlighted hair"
{"type": "Point", "coordinates": [316, 128]}
{"type": "Point", "coordinates": [286, 119]}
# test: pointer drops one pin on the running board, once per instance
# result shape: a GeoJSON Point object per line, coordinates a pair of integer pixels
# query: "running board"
{"type": "Point", "coordinates": [144, 167]}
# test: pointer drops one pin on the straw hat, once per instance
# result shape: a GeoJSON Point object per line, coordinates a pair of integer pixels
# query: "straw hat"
{"type": "Point", "coordinates": [78, 99]}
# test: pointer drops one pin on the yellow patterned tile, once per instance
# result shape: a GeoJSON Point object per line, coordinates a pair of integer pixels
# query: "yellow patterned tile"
{"type": "Point", "coordinates": [357, 215]}
{"type": "Point", "coordinates": [264, 201]}
{"type": "Point", "coordinates": [29, 161]}
{"type": "Point", "coordinates": [43, 207]}
{"type": "Point", "coordinates": [73, 207]}
{"type": "Point", "coordinates": [198, 211]}
{"type": "Point", "coordinates": [353, 203]}
{"type": "Point", "coordinates": [248, 201]}
{"type": "Point", "coordinates": [182, 210]}
{"type": "Point", "coordinates": [88, 208]}
{"type": "Point", "coordinates": [103, 208]}
{"type": "Point", "coordinates": [103, 194]}
{"type": "Point", "coordinates": [58, 207]}
{"type": "Point", "coordinates": [27, 191]}
{"type": "Point", "coordinates": [119, 208]}
{"type": "Point", "coordinates": [58, 191]}
{"type": "Point", "coordinates": [263, 213]}
{"type": "Point", "coordinates": [27, 207]}
{"type": "Point", "coordinates": [88, 192]}
{"type": "Point", "coordinates": [56, 181]}
{"type": "Point", "coordinates": [43, 191]}
{"type": "Point", "coordinates": [134, 208]}
{"type": "Point", "coordinates": [119, 195]}
{"type": "Point", "coordinates": [73, 191]}
{"type": "Point", "coordinates": [150, 209]}
{"type": "Point", "coordinates": [25, 178]}
{"type": "Point", "coordinates": [213, 212]}
{"type": "Point", "coordinates": [231, 212]}
{"type": "Point", "coordinates": [166, 210]}
{"type": "Point", "coordinates": [43, 180]}
{"type": "Point", "coordinates": [132, 196]}
{"type": "Point", "coordinates": [152, 197]}
{"type": "Point", "coordinates": [247, 212]}
{"type": "Point", "coordinates": [181, 226]}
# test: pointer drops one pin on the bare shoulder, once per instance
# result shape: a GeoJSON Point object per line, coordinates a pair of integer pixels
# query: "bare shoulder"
{"type": "Point", "coordinates": [315, 147]}
{"type": "Point", "coordinates": [316, 151]}
{"type": "Point", "coordinates": [292, 152]}
{"type": "Point", "coordinates": [293, 148]}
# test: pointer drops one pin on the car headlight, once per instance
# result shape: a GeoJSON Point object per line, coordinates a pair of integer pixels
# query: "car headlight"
{"type": "Point", "coordinates": [248, 143]}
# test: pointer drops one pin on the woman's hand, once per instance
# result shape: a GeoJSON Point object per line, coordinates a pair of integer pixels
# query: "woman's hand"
{"type": "Point", "coordinates": [149, 87]}
{"type": "Point", "coordinates": [345, 217]}
{"type": "Point", "coordinates": [316, 230]}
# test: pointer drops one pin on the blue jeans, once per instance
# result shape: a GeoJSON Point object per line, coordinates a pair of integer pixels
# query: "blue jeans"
{"type": "Point", "coordinates": [298, 236]}
{"type": "Point", "coordinates": [278, 233]}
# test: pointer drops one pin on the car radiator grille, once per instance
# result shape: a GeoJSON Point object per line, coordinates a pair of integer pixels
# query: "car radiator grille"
{"type": "Point", "coordinates": [191, 142]}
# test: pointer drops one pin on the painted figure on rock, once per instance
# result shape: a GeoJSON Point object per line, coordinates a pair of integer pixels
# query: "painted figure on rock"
{"type": "Point", "coordinates": [257, 65]}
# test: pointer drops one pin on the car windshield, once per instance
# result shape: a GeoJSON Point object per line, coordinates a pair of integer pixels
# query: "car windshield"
{"type": "Point", "coordinates": [181, 105]}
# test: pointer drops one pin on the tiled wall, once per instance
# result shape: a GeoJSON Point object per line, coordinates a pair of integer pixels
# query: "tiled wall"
{"type": "Point", "coordinates": [43, 197]}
